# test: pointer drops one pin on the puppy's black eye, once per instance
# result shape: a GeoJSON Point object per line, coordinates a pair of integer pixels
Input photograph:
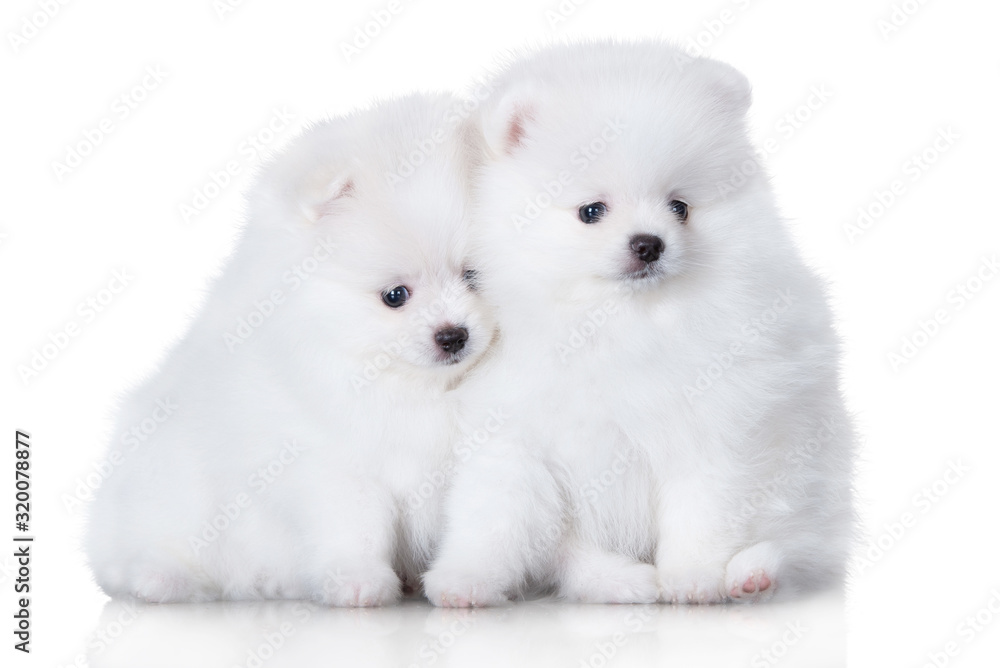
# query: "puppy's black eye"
{"type": "Point", "coordinates": [679, 209]}
{"type": "Point", "coordinates": [593, 212]}
{"type": "Point", "coordinates": [469, 276]}
{"type": "Point", "coordinates": [395, 297]}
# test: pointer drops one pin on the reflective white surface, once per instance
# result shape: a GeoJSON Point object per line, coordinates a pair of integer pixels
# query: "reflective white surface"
{"type": "Point", "coordinates": [533, 633]}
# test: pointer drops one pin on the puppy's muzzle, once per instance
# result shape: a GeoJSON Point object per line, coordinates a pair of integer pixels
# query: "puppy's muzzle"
{"type": "Point", "coordinates": [647, 247]}
{"type": "Point", "coordinates": [451, 339]}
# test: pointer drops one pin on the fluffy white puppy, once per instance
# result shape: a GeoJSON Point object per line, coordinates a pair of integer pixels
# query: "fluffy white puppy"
{"type": "Point", "coordinates": [309, 402]}
{"type": "Point", "coordinates": [667, 368]}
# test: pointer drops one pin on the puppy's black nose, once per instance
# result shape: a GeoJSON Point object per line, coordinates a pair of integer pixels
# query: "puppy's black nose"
{"type": "Point", "coordinates": [647, 247]}
{"type": "Point", "coordinates": [452, 339]}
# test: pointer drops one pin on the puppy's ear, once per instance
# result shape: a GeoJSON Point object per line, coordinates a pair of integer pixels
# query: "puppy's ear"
{"type": "Point", "coordinates": [727, 87]}
{"type": "Point", "coordinates": [316, 201]}
{"type": "Point", "coordinates": [508, 126]}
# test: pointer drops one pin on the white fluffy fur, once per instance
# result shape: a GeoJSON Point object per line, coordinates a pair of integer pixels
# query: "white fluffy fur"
{"type": "Point", "coordinates": [637, 461]}
{"type": "Point", "coordinates": [360, 390]}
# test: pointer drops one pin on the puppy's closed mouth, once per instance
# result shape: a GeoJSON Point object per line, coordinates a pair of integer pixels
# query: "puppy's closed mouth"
{"type": "Point", "coordinates": [451, 359]}
{"type": "Point", "coordinates": [643, 272]}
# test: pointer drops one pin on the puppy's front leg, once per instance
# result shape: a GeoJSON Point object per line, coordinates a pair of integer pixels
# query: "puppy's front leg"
{"type": "Point", "coordinates": [698, 535]}
{"type": "Point", "coordinates": [503, 522]}
{"type": "Point", "coordinates": [349, 564]}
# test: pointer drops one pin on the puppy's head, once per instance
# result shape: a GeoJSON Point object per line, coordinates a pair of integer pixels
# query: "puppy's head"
{"type": "Point", "coordinates": [618, 164]}
{"type": "Point", "coordinates": [379, 201]}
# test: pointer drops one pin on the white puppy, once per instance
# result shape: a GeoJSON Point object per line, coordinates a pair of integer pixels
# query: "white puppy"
{"type": "Point", "coordinates": [310, 403]}
{"type": "Point", "coordinates": [667, 367]}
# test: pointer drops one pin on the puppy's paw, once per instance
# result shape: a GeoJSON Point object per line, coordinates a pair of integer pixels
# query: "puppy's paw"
{"type": "Point", "coordinates": [751, 576]}
{"type": "Point", "coordinates": [635, 583]}
{"type": "Point", "coordinates": [454, 589]}
{"type": "Point", "coordinates": [756, 586]}
{"type": "Point", "coordinates": [163, 587]}
{"type": "Point", "coordinates": [608, 578]}
{"type": "Point", "coordinates": [691, 586]}
{"type": "Point", "coordinates": [360, 588]}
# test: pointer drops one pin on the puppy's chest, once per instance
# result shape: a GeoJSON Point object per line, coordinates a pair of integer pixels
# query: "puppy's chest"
{"type": "Point", "coordinates": [406, 445]}
{"type": "Point", "coordinates": [603, 344]}
{"type": "Point", "coordinates": [613, 392]}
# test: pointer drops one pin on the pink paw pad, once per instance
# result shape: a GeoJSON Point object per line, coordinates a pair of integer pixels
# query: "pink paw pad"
{"type": "Point", "coordinates": [756, 583]}
{"type": "Point", "coordinates": [456, 602]}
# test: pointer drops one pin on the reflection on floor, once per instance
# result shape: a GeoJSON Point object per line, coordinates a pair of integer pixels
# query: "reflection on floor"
{"type": "Point", "coordinates": [808, 633]}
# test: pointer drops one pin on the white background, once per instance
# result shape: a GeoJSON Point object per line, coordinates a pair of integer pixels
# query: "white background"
{"type": "Point", "coordinates": [887, 93]}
